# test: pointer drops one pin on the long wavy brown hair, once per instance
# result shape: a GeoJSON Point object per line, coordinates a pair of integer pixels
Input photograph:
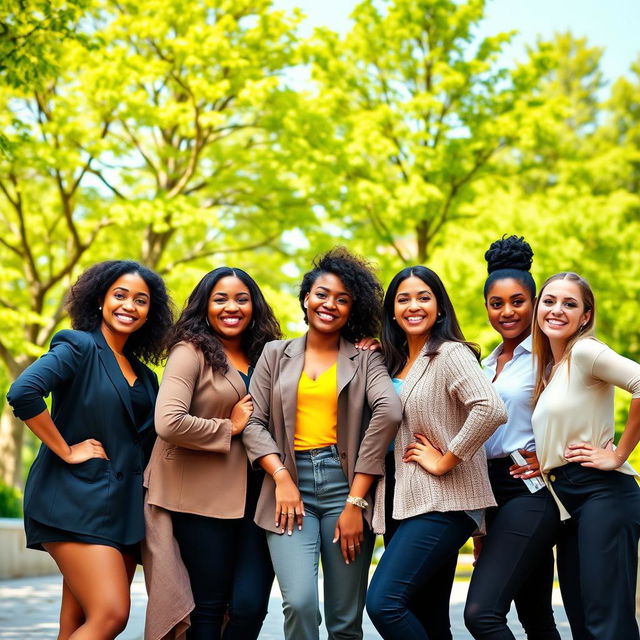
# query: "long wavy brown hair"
{"type": "Point", "coordinates": [541, 348]}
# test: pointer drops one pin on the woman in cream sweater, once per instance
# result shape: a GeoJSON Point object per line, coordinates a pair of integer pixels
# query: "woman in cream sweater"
{"type": "Point", "coordinates": [442, 486]}
{"type": "Point", "coordinates": [592, 481]}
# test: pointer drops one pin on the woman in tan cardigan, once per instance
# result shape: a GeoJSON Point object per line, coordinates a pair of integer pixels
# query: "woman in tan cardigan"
{"type": "Point", "coordinates": [442, 486]}
{"type": "Point", "coordinates": [199, 473]}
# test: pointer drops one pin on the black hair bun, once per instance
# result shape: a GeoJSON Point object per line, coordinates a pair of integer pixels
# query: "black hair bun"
{"type": "Point", "coordinates": [509, 253]}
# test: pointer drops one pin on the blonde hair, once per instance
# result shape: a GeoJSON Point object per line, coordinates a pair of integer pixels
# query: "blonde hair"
{"type": "Point", "coordinates": [541, 348]}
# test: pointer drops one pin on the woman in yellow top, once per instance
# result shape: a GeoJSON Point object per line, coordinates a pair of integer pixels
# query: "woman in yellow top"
{"type": "Point", "coordinates": [324, 415]}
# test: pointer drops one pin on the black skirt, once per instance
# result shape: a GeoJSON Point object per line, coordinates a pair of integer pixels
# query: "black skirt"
{"type": "Point", "coordinates": [39, 534]}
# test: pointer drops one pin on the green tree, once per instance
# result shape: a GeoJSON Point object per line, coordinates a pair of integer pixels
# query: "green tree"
{"type": "Point", "coordinates": [418, 109]}
{"type": "Point", "coordinates": [163, 144]}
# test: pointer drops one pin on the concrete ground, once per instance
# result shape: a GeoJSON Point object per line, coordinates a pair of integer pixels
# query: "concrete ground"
{"type": "Point", "coordinates": [29, 610]}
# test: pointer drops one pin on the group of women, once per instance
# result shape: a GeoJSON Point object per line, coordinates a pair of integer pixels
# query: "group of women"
{"type": "Point", "coordinates": [275, 455]}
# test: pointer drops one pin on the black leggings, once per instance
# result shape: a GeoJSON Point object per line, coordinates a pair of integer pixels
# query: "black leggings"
{"type": "Point", "coordinates": [230, 573]}
{"type": "Point", "coordinates": [516, 561]}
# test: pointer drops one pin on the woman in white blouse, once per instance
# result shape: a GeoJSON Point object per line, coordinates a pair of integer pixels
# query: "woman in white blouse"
{"type": "Point", "coordinates": [515, 562]}
{"type": "Point", "coordinates": [573, 424]}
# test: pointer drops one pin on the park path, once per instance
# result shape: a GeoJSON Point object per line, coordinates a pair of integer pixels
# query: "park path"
{"type": "Point", "coordinates": [29, 610]}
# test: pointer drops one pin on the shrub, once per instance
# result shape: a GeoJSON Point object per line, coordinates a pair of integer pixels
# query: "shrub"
{"type": "Point", "coordinates": [10, 502]}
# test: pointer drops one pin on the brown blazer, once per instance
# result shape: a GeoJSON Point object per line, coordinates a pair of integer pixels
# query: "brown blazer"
{"type": "Point", "coordinates": [196, 466]}
{"type": "Point", "coordinates": [369, 413]}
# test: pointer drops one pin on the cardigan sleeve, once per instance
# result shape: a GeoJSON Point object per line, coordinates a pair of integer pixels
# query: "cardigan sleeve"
{"type": "Point", "coordinates": [173, 421]}
{"type": "Point", "coordinates": [57, 366]}
{"type": "Point", "coordinates": [386, 414]}
{"type": "Point", "coordinates": [257, 440]}
{"type": "Point", "coordinates": [467, 384]}
{"type": "Point", "coordinates": [604, 364]}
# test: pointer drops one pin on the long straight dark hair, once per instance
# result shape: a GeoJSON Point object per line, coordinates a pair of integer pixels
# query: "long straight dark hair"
{"type": "Point", "coordinates": [446, 329]}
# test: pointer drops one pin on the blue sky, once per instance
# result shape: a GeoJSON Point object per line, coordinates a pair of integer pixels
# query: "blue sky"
{"type": "Point", "coordinates": [613, 25]}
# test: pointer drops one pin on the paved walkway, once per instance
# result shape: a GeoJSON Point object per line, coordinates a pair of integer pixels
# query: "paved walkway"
{"type": "Point", "coordinates": [29, 610]}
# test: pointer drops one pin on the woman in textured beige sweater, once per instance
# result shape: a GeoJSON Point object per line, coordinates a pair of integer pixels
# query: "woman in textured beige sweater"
{"type": "Point", "coordinates": [442, 486]}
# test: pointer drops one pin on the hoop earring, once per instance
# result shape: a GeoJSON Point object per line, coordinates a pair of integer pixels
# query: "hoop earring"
{"type": "Point", "coordinates": [206, 319]}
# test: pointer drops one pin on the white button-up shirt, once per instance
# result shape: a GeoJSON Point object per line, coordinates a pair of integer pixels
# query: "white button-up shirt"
{"type": "Point", "coordinates": [515, 386]}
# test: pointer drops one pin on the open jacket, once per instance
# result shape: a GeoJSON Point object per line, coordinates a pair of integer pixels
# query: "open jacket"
{"type": "Point", "coordinates": [198, 467]}
{"type": "Point", "coordinates": [90, 399]}
{"type": "Point", "coordinates": [368, 414]}
{"type": "Point", "coordinates": [447, 398]}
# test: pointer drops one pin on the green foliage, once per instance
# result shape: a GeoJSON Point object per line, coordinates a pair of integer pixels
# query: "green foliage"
{"type": "Point", "coordinates": [174, 133]}
{"type": "Point", "coordinates": [417, 109]}
{"type": "Point", "coordinates": [10, 502]}
{"type": "Point", "coordinates": [31, 36]}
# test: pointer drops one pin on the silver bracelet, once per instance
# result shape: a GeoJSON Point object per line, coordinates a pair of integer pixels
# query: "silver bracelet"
{"type": "Point", "coordinates": [280, 468]}
{"type": "Point", "coordinates": [358, 502]}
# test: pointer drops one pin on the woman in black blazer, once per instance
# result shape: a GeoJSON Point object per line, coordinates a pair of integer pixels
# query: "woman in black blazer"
{"type": "Point", "coordinates": [83, 497]}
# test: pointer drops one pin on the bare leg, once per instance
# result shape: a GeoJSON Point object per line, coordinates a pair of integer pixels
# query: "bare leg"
{"type": "Point", "coordinates": [97, 580]}
{"type": "Point", "coordinates": [71, 614]}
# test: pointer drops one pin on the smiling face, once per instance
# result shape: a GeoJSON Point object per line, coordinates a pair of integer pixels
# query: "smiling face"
{"type": "Point", "coordinates": [328, 304]}
{"type": "Point", "coordinates": [415, 307]}
{"type": "Point", "coordinates": [125, 306]}
{"type": "Point", "coordinates": [230, 307]}
{"type": "Point", "coordinates": [561, 311]}
{"type": "Point", "coordinates": [510, 309]}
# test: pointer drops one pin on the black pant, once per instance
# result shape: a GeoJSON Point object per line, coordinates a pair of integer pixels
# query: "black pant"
{"type": "Point", "coordinates": [230, 572]}
{"type": "Point", "coordinates": [516, 561]}
{"type": "Point", "coordinates": [598, 551]}
{"type": "Point", "coordinates": [430, 602]}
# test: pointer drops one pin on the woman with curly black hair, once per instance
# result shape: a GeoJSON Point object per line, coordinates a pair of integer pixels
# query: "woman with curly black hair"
{"type": "Point", "coordinates": [83, 497]}
{"type": "Point", "coordinates": [200, 485]}
{"type": "Point", "coordinates": [441, 483]}
{"type": "Point", "coordinates": [324, 415]}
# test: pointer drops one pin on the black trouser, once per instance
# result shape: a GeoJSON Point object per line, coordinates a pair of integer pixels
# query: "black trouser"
{"type": "Point", "coordinates": [430, 603]}
{"type": "Point", "coordinates": [598, 551]}
{"type": "Point", "coordinates": [516, 561]}
{"type": "Point", "coordinates": [229, 569]}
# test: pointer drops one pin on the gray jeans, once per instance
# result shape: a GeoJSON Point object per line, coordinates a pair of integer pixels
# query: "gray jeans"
{"type": "Point", "coordinates": [324, 489]}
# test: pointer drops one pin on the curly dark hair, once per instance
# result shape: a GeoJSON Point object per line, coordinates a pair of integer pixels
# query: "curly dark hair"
{"type": "Point", "coordinates": [446, 329]}
{"type": "Point", "coordinates": [510, 258]}
{"type": "Point", "coordinates": [192, 324]}
{"type": "Point", "coordinates": [85, 298]}
{"type": "Point", "coordinates": [360, 281]}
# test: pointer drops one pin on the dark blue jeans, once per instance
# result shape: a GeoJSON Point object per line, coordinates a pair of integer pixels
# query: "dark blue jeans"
{"type": "Point", "coordinates": [598, 551]}
{"type": "Point", "coordinates": [230, 573]}
{"type": "Point", "coordinates": [419, 549]}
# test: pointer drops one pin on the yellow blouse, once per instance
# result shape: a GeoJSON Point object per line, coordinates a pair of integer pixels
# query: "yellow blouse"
{"type": "Point", "coordinates": [317, 410]}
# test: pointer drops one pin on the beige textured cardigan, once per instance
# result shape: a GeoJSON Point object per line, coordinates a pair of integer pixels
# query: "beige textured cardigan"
{"type": "Point", "coordinates": [447, 398]}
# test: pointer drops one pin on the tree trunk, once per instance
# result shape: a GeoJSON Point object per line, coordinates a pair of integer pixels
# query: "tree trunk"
{"type": "Point", "coordinates": [11, 438]}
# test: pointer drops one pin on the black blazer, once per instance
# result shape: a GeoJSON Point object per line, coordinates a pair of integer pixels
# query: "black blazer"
{"type": "Point", "coordinates": [90, 399]}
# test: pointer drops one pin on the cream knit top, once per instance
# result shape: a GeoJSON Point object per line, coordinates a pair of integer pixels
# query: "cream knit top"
{"type": "Point", "coordinates": [577, 404]}
{"type": "Point", "coordinates": [447, 398]}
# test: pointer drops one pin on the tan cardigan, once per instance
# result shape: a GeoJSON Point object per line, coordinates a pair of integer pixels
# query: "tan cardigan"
{"type": "Point", "coordinates": [447, 398]}
{"type": "Point", "coordinates": [196, 467]}
{"type": "Point", "coordinates": [368, 414]}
